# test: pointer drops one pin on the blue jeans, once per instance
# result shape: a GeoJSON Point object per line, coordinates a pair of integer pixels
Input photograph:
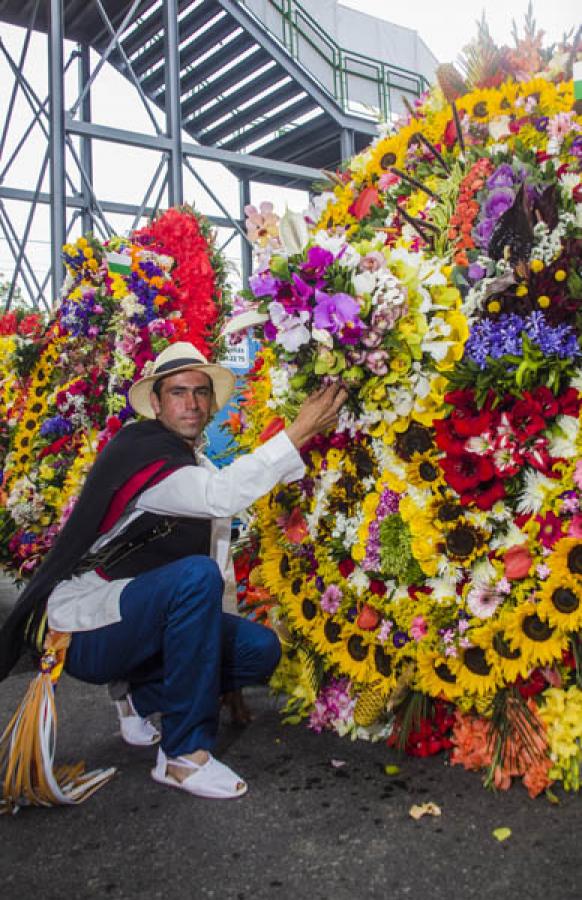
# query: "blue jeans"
{"type": "Point", "coordinates": [178, 651]}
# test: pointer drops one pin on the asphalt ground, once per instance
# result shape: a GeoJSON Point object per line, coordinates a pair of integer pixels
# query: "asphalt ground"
{"type": "Point", "coordinates": [306, 828]}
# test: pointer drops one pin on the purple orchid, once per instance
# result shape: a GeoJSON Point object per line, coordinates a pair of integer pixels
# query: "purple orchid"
{"type": "Point", "coordinates": [333, 313]}
{"type": "Point", "coordinates": [263, 284]}
{"type": "Point", "coordinates": [295, 298]}
{"type": "Point", "coordinates": [318, 260]}
{"type": "Point", "coordinates": [288, 330]}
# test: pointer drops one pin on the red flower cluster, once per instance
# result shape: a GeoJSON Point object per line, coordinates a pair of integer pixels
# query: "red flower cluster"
{"type": "Point", "coordinates": [484, 447]}
{"type": "Point", "coordinates": [431, 734]}
{"type": "Point", "coordinates": [29, 325]}
{"type": "Point", "coordinates": [179, 235]}
{"type": "Point", "coordinates": [463, 219]}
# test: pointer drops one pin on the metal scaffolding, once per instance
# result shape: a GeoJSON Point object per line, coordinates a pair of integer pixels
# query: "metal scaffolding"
{"type": "Point", "coordinates": [217, 75]}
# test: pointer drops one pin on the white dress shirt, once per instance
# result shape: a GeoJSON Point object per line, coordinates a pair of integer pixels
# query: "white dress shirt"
{"type": "Point", "coordinates": [85, 602]}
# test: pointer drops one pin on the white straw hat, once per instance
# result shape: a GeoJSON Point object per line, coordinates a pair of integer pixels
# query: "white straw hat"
{"type": "Point", "coordinates": [181, 357]}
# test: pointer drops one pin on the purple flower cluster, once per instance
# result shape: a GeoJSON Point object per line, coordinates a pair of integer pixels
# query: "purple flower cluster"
{"type": "Point", "coordinates": [302, 300]}
{"type": "Point", "coordinates": [77, 316]}
{"type": "Point", "coordinates": [387, 505]}
{"type": "Point", "coordinates": [504, 337]}
{"type": "Point", "coordinates": [146, 294]}
{"type": "Point", "coordinates": [56, 427]}
{"type": "Point", "coordinates": [502, 187]}
{"type": "Point", "coordinates": [333, 707]}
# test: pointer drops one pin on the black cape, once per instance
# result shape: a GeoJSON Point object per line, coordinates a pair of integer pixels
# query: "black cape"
{"type": "Point", "coordinates": [132, 449]}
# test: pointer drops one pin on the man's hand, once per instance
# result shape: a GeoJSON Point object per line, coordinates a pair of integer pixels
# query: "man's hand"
{"type": "Point", "coordinates": [318, 413]}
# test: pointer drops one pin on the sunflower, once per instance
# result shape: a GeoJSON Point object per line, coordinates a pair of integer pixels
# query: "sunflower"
{"type": "Point", "coordinates": [300, 605]}
{"type": "Point", "coordinates": [463, 543]}
{"type": "Point", "coordinates": [540, 642]}
{"type": "Point", "coordinates": [561, 598]}
{"type": "Point", "coordinates": [566, 557]}
{"type": "Point", "coordinates": [475, 674]}
{"type": "Point", "coordinates": [444, 511]}
{"type": "Point", "coordinates": [354, 654]}
{"type": "Point", "coordinates": [436, 676]}
{"type": "Point", "coordinates": [491, 637]}
{"type": "Point", "coordinates": [326, 633]}
{"type": "Point", "coordinates": [416, 438]}
{"type": "Point", "coordinates": [423, 471]}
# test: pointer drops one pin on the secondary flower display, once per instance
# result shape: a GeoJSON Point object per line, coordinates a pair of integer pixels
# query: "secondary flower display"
{"type": "Point", "coordinates": [430, 587]}
{"type": "Point", "coordinates": [64, 386]}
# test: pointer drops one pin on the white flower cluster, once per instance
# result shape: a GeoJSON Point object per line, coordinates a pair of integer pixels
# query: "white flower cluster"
{"type": "Point", "coordinates": [23, 503]}
{"type": "Point", "coordinates": [346, 528]}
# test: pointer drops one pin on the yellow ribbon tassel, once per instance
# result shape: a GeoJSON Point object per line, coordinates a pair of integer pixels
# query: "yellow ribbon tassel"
{"type": "Point", "coordinates": [27, 747]}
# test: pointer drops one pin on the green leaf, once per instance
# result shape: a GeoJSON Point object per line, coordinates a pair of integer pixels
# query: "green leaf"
{"type": "Point", "coordinates": [501, 834]}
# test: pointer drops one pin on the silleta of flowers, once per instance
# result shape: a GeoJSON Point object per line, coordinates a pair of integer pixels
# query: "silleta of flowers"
{"type": "Point", "coordinates": [63, 387]}
{"type": "Point", "coordinates": [426, 574]}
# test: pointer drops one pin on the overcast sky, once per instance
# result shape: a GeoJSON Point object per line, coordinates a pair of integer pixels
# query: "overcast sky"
{"type": "Point", "coordinates": [447, 25]}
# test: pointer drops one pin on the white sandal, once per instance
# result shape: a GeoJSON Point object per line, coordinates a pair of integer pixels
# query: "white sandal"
{"type": "Point", "coordinates": [212, 780]}
{"type": "Point", "coordinates": [134, 730]}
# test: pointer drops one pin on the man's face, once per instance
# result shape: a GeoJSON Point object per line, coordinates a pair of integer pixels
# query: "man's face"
{"type": "Point", "coordinates": [184, 404]}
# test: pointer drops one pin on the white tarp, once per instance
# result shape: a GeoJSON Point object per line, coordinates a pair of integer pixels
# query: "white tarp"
{"type": "Point", "coordinates": [357, 32]}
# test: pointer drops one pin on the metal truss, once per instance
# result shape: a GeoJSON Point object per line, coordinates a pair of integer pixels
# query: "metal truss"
{"type": "Point", "coordinates": [72, 199]}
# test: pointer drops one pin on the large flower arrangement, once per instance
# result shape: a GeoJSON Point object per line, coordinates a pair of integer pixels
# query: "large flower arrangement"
{"type": "Point", "coordinates": [64, 386]}
{"type": "Point", "coordinates": [426, 574]}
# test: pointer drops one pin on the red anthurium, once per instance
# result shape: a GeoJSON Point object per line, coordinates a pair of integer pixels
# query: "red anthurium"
{"type": "Point", "coordinates": [274, 427]}
{"type": "Point", "coordinates": [362, 205]}
{"type": "Point", "coordinates": [450, 135]}
{"type": "Point", "coordinates": [296, 527]}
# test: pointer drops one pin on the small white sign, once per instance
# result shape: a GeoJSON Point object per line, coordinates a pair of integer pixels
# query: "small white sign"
{"type": "Point", "coordinates": [238, 355]}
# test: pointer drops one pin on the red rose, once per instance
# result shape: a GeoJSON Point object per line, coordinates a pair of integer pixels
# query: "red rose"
{"type": "Point", "coordinates": [346, 566]}
{"type": "Point", "coordinates": [517, 562]}
{"type": "Point", "coordinates": [377, 587]}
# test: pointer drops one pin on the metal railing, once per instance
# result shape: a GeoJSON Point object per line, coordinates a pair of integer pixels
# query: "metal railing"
{"type": "Point", "coordinates": [357, 83]}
